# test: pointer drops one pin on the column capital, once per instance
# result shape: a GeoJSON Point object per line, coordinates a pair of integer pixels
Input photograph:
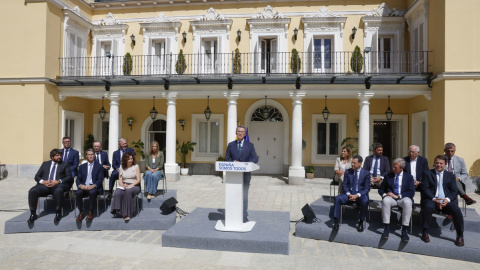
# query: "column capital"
{"type": "Point", "coordinates": [232, 96]}
{"type": "Point", "coordinates": [365, 96]}
{"type": "Point", "coordinates": [114, 97]}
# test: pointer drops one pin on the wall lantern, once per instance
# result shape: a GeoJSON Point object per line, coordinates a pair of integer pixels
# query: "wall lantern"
{"type": "Point", "coordinates": [132, 37]}
{"type": "Point", "coordinates": [207, 111]}
{"type": "Point", "coordinates": [182, 123]}
{"type": "Point", "coordinates": [295, 33]}
{"type": "Point", "coordinates": [153, 111]}
{"type": "Point", "coordinates": [354, 31]}
{"type": "Point", "coordinates": [184, 35]}
{"type": "Point", "coordinates": [389, 112]}
{"type": "Point", "coordinates": [265, 110]}
{"type": "Point", "coordinates": [130, 122]}
{"type": "Point", "coordinates": [239, 34]}
{"type": "Point", "coordinates": [325, 111]}
{"type": "Point", "coordinates": [102, 112]}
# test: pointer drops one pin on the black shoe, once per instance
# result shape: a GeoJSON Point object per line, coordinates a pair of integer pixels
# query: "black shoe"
{"type": "Point", "coordinates": [405, 237]}
{"type": "Point", "coordinates": [336, 226]}
{"type": "Point", "coordinates": [385, 234]}
{"type": "Point", "coordinates": [360, 226]}
{"type": "Point", "coordinates": [245, 220]}
{"type": "Point", "coordinates": [32, 218]}
{"type": "Point", "coordinates": [58, 217]}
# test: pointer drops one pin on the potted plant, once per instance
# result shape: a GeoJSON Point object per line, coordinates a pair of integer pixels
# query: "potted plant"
{"type": "Point", "coordinates": [295, 61]}
{"type": "Point", "coordinates": [310, 171]}
{"type": "Point", "coordinates": [181, 64]}
{"type": "Point", "coordinates": [127, 64]}
{"type": "Point", "coordinates": [356, 62]}
{"type": "Point", "coordinates": [182, 151]}
{"type": "Point", "coordinates": [237, 62]}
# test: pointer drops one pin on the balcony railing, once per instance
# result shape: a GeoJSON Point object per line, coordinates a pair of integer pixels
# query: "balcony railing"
{"type": "Point", "coordinates": [260, 64]}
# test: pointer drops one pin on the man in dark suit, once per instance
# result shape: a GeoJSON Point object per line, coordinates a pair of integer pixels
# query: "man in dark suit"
{"type": "Point", "coordinates": [397, 189]}
{"type": "Point", "coordinates": [440, 193]}
{"type": "Point", "coordinates": [356, 186]}
{"type": "Point", "coordinates": [71, 156]}
{"type": "Point", "coordinates": [117, 162]}
{"type": "Point", "coordinates": [415, 165]}
{"type": "Point", "coordinates": [377, 164]}
{"type": "Point", "coordinates": [241, 150]}
{"type": "Point", "coordinates": [89, 183]}
{"type": "Point", "coordinates": [101, 157]}
{"type": "Point", "coordinates": [54, 177]}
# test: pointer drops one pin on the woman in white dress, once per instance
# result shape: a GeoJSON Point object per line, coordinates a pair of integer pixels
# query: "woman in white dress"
{"type": "Point", "coordinates": [343, 163]}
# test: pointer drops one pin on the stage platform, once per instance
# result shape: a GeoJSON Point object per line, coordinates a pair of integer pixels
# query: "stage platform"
{"type": "Point", "coordinates": [150, 217]}
{"type": "Point", "coordinates": [442, 232]}
{"type": "Point", "coordinates": [197, 231]}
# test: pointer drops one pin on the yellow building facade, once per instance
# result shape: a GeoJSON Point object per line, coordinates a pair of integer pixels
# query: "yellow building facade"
{"type": "Point", "coordinates": [64, 59]}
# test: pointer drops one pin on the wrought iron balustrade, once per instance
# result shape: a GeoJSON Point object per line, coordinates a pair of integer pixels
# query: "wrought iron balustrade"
{"type": "Point", "coordinates": [256, 63]}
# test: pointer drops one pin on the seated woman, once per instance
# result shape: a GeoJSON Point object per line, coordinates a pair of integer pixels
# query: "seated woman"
{"type": "Point", "coordinates": [129, 186]}
{"type": "Point", "coordinates": [343, 163]}
{"type": "Point", "coordinates": [153, 172]}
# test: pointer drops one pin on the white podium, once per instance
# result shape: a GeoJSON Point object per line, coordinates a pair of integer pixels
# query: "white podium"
{"type": "Point", "coordinates": [234, 196]}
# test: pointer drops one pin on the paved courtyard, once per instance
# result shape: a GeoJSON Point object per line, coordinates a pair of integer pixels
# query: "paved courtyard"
{"type": "Point", "coordinates": [143, 249]}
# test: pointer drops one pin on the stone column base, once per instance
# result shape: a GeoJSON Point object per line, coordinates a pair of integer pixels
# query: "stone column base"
{"type": "Point", "coordinates": [172, 172]}
{"type": "Point", "coordinates": [296, 175]}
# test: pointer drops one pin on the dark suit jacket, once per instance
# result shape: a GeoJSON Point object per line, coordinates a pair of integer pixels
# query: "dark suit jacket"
{"type": "Point", "coordinates": [103, 161]}
{"type": "Point", "coordinates": [63, 173]}
{"type": "Point", "coordinates": [248, 152]}
{"type": "Point", "coordinates": [429, 185]}
{"type": "Point", "coordinates": [422, 166]}
{"type": "Point", "coordinates": [116, 161]}
{"type": "Point", "coordinates": [388, 185]}
{"type": "Point", "coordinates": [384, 164]}
{"type": "Point", "coordinates": [97, 175]}
{"type": "Point", "coordinates": [73, 160]}
{"type": "Point", "coordinates": [363, 182]}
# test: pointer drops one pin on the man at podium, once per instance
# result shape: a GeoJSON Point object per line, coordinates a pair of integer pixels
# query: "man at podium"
{"type": "Point", "coordinates": [244, 151]}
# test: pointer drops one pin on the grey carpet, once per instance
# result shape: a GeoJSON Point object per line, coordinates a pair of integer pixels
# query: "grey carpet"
{"type": "Point", "coordinates": [197, 231]}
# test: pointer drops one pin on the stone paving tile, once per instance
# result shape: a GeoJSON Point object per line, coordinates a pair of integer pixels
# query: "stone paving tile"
{"type": "Point", "coordinates": [108, 249]}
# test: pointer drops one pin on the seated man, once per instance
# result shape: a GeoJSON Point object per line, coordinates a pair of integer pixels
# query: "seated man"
{"type": "Point", "coordinates": [89, 182]}
{"type": "Point", "coordinates": [415, 164]}
{"type": "Point", "coordinates": [398, 189]}
{"type": "Point", "coordinates": [356, 185]}
{"type": "Point", "coordinates": [101, 157]}
{"type": "Point", "coordinates": [54, 177]}
{"type": "Point", "coordinates": [439, 190]}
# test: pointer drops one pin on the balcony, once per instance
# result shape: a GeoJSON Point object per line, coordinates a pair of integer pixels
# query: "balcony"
{"type": "Point", "coordinates": [311, 67]}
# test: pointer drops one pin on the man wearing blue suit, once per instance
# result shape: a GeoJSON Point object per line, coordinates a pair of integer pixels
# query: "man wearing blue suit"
{"type": "Point", "coordinates": [89, 183]}
{"type": "Point", "coordinates": [117, 161]}
{"type": "Point", "coordinates": [397, 189]}
{"type": "Point", "coordinates": [377, 164]}
{"type": "Point", "coordinates": [439, 190]}
{"type": "Point", "coordinates": [101, 157]}
{"type": "Point", "coordinates": [415, 165]}
{"type": "Point", "coordinates": [356, 185]}
{"type": "Point", "coordinates": [241, 150]}
{"type": "Point", "coordinates": [71, 156]}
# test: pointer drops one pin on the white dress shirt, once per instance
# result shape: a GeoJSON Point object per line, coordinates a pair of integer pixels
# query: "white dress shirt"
{"type": "Point", "coordinates": [436, 193]}
{"type": "Point", "coordinates": [413, 168]}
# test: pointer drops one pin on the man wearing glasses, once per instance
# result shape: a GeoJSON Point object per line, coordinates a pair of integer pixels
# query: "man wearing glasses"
{"type": "Point", "coordinates": [71, 156]}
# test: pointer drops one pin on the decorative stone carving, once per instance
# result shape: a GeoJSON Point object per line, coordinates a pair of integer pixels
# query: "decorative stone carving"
{"type": "Point", "coordinates": [211, 15]}
{"type": "Point", "coordinates": [384, 11]}
{"type": "Point", "coordinates": [161, 18]}
{"type": "Point", "coordinates": [76, 10]}
{"type": "Point", "coordinates": [109, 20]}
{"type": "Point", "coordinates": [268, 13]}
{"type": "Point", "coordinates": [324, 13]}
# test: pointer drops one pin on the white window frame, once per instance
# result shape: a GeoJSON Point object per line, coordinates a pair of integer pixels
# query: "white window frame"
{"type": "Point", "coordinates": [333, 118]}
{"type": "Point", "coordinates": [215, 64]}
{"type": "Point", "coordinates": [196, 119]}
{"type": "Point", "coordinates": [163, 57]}
{"type": "Point", "coordinates": [97, 127]}
{"type": "Point", "coordinates": [78, 117]}
{"type": "Point", "coordinates": [322, 69]}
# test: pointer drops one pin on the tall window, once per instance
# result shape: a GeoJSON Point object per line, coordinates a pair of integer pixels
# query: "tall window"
{"type": "Point", "coordinates": [209, 137]}
{"type": "Point", "coordinates": [210, 56]}
{"type": "Point", "coordinates": [74, 63]}
{"type": "Point", "coordinates": [157, 132]}
{"type": "Point", "coordinates": [327, 137]}
{"type": "Point", "coordinates": [385, 48]}
{"type": "Point", "coordinates": [322, 54]}
{"type": "Point", "coordinates": [159, 57]}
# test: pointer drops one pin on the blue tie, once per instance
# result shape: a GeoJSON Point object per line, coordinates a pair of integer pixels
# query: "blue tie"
{"type": "Point", "coordinates": [355, 183]}
{"type": "Point", "coordinates": [375, 168]}
{"type": "Point", "coordinates": [52, 173]}
{"type": "Point", "coordinates": [396, 185]}
{"type": "Point", "coordinates": [441, 194]}
{"type": "Point", "coordinates": [239, 149]}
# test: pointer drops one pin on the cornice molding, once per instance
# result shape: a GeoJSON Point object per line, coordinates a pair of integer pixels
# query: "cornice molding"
{"type": "Point", "coordinates": [27, 80]}
{"type": "Point", "coordinates": [457, 76]}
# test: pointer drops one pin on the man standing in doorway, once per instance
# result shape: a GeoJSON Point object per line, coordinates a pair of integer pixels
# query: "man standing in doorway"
{"type": "Point", "coordinates": [117, 162]}
{"type": "Point", "coordinates": [244, 151]}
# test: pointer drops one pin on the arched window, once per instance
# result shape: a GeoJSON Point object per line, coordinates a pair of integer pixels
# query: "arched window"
{"type": "Point", "coordinates": [274, 115]}
{"type": "Point", "coordinates": [157, 132]}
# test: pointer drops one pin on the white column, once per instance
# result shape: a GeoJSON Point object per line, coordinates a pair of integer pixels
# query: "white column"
{"type": "Point", "coordinates": [113, 125]}
{"type": "Point", "coordinates": [296, 172]}
{"type": "Point", "coordinates": [172, 170]}
{"type": "Point", "coordinates": [232, 117]}
{"type": "Point", "coordinates": [363, 124]}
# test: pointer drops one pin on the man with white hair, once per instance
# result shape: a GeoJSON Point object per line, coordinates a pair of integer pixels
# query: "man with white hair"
{"type": "Point", "coordinates": [397, 189]}
{"type": "Point", "coordinates": [415, 164]}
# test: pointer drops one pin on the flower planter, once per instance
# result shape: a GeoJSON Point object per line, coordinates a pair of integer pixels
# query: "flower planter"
{"type": "Point", "coordinates": [310, 175]}
{"type": "Point", "coordinates": [184, 171]}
